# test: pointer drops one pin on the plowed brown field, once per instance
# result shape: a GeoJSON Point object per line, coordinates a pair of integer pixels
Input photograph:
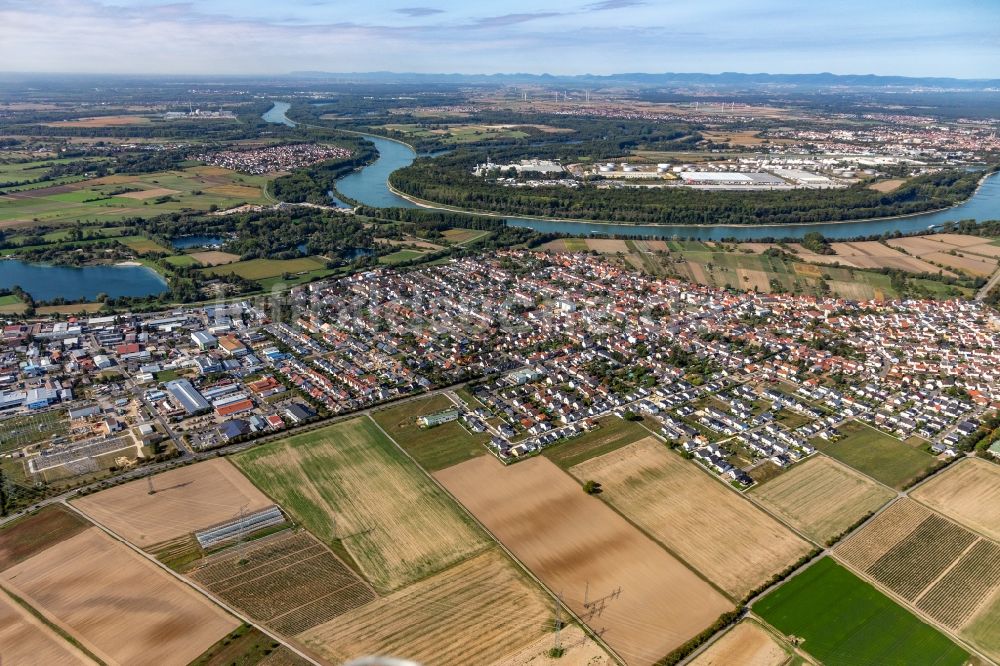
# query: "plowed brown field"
{"type": "Point", "coordinates": [642, 600]}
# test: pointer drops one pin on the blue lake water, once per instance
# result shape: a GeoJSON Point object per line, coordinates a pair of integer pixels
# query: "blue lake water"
{"type": "Point", "coordinates": [186, 242]}
{"type": "Point", "coordinates": [45, 282]}
{"type": "Point", "coordinates": [370, 186]}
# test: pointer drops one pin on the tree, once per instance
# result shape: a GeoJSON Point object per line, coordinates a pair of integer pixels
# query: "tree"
{"type": "Point", "coordinates": [592, 487]}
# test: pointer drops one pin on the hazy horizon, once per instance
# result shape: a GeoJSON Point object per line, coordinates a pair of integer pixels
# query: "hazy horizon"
{"type": "Point", "coordinates": [255, 38]}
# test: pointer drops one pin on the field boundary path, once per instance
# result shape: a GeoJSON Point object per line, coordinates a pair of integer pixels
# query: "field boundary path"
{"type": "Point", "coordinates": [555, 597]}
{"type": "Point", "coordinates": [992, 282]}
{"type": "Point", "coordinates": [191, 584]}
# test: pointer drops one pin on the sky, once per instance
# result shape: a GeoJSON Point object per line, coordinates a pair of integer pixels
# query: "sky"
{"type": "Point", "coordinates": [959, 38]}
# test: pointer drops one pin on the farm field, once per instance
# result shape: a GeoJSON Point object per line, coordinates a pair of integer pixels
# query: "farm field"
{"type": "Point", "coordinates": [120, 196]}
{"type": "Point", "coordinates": [289, 581]}
{"type": "Point", "coordinates": [24, 639]}
{"type": "Point", "coordinates": [463, 236]}
{"type": "Point", "coordinates": [258, 269]}
{"type": "Point", "coordinates": [612, 434]}
{"type": "Point", "coordinates": [715, 530]}
{"type": "Point", "coordinates": [187, 499]}
{"type": "Point", "coordinates": [746, 644]}
{"type": "Point", "coordinates": [247, 646]}
{"type": "Point", "coordinates": [434, 448]}
{"type": "Point", "coordinates": [880, 456]}
{"type": "Point", "coordinates": [744, 266]}
{"type": "Point", "coordinates": [953, 251]}
{"type": "Point", "coordinates": [350, 486]}
{"type": "Point", "coordinates": [459, 134]}
{"type": "Point", "coordinates": [845, 621]}
{"type": "Point", "coordinates": [969, 492]}
{"type": "Point", "coordinates": [141, 245]}
{"type": "Point", "coordinates": [118, 605]}
{"type": "Point", "coordinates": [579, 650]}
{"type": "Point", "coordinates": [943, 569]}
{"type": "Point", "coordinates": [821, 497]}
{"type": "Point", "coordinates": [24, 537]}
{"type": "Point", "coordinates": [473, 613]}
{"type": "Point", "coordinates": [400, 256]}
{"type": "Point", "coordinates": [213, 257]}
{"type": "Point", "coordinates": [645, 601]}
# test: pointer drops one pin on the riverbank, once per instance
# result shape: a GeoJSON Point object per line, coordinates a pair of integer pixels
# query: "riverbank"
{"type": "Point", "coordinates": [424, 203]}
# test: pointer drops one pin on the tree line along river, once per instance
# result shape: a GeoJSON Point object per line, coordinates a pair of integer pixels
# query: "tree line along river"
{"type": "Point", "coordinates": [370, 186]}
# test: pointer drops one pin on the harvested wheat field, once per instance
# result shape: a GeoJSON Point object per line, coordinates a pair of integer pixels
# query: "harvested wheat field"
{"type": "Point", "coordinates": [961, 240]}
{"type": "Point", "coordinates": [579, 650]}
{"type": "Point", "coordinates": [969, 492]}
{"type": "Point", "coordinates": [214, 257]}
{"type": "Point", "coordinates": [966, 262]}
{"type": "Point", "coordinates": [349, 483]}
{"type": "Point", "coordinates": [473, 613]}
{"type": "Point", "coordinates": [606, 245]}
{"type": "Point", "coordinates": [753, 280]}
{"type": "Point", "coordinates": [887, 185]}
{"type": "Point", "coordinates": [187, 499]}
{"type": "Point", "coordinates": [714, 529]}
{"type": "Point", "coordinates": [235, 191]}
{"type": "Point", "coordinates": [102, 121]}
{"type": "Point", "coordinates": [644, 601]}
{"type": "Point", "coordinates": [821, 497]}
{"type": "Point", "coordinates": [746, 644]}
{"type": "Point", "coordinates": [149, 194]}
{"type": "Point", "coordinates": [120, 607]}
{"type": "Point", "coordinates": [24, 639]}
{"type": "Point", "coordinates": [986, 249]}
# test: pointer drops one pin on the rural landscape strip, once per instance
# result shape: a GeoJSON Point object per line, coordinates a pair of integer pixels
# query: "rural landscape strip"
{"type": "Point", "coordinates": [555, 597]}
{"type": "Point", "coordinates": [191, 584]}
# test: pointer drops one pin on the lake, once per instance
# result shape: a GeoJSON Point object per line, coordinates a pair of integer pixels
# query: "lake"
{"type": "Point", "coordinates": [186, 242]}
{"type": "Point", "coordinates": [45, 282]}
{"type": "Point", "coordinates": [370, 186]}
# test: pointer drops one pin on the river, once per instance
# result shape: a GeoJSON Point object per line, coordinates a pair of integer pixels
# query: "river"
{"type": "Point", "coordinates": [370, 186]}
{"type": "Point", "coordinates": [46, 282]}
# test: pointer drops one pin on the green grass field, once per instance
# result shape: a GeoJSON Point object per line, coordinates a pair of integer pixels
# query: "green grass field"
{"type": "Point", "coordinates": [612, 434]}
{"type": "Point", "coordinates": [464, 235]}
{"type": "Point", "coordinates": [878, 455]}
{"type": "Point", "coordinates": [142, 245]}
{"type": "Point", "coordinates": [10, 304]}
{"type": "Point", "coordinates": [353, 488]}
{"type": "Point", "coordinates": [191, 188]}
{"type": "Point", "coordinates": [434, 448]}
{"type": "Point", "coordinates": [259, 269]}
{"type": "Point", "coordinates": [400, 256]}
{"type": "Point", "coordinates": [845, 621]}
{"type": "Point", "coordinates": [181, 260]}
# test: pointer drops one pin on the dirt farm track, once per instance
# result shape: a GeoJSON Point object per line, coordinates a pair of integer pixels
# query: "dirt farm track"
{"type": "Point", "coordinates": [642, 601]}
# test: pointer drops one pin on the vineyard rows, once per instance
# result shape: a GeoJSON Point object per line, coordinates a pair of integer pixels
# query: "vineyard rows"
{"type": "Point", "coordinates": [880, 535]}
{"type": "Point", "coordinates": [289, 578]}
{"type": "Point", "coordinates": [960, 592]}
{"type": "Point", "coordinates": [914, 563]}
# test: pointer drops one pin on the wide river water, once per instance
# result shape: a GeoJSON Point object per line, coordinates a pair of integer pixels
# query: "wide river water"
{"type": "Point", "coordinates": [370, 186]}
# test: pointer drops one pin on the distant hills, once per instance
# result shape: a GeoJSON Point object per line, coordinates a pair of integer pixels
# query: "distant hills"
{"type": "Point", "coordinates": [726, 80]}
